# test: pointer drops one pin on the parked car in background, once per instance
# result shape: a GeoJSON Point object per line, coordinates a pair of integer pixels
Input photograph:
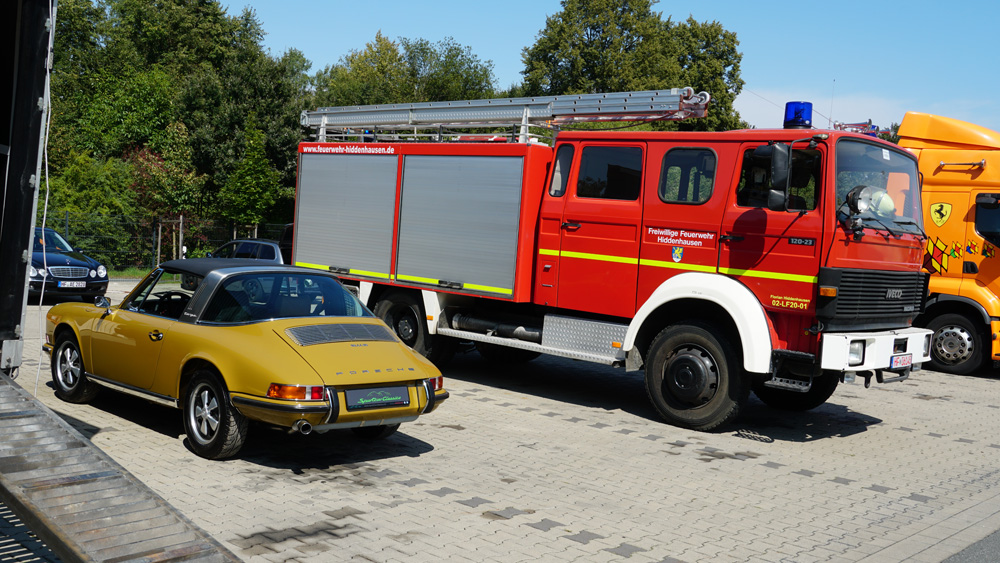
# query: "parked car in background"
{"type": "Point", "coordinates": [285, 243]}
{"type": "Point", "coordinates": [61, 270]}
{"type": "Point", "coordinates": [253, 249]}
{"type": "Point", "coordinates": [228, 341]}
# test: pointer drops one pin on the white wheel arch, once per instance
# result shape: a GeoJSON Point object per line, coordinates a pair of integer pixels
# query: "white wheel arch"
{"type": "Point", "coordinates": [734, 297]}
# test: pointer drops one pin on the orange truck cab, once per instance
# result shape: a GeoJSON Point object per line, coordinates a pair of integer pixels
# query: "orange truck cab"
{"type": "Point", "coordinates": [960, 164]}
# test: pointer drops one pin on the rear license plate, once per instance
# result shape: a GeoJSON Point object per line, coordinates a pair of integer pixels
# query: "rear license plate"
{"type": "Point", "coordinates": [901, 361]}
{"type": "Point", "coordinates": [377, 397]}
{"type": "Point", "coordinates": [72, 284]}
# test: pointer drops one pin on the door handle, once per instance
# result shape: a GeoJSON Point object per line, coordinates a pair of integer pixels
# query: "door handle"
{"type": "Point", "coordinates": [156, 336]}
{"type": "Point", "coordinates": [734, 238]}
{"type": "Point", "coordinates": [568, 225]}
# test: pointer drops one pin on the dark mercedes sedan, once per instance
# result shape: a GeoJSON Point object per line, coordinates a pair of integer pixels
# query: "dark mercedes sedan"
{"type": "Point", "coordinates": [63, 270]}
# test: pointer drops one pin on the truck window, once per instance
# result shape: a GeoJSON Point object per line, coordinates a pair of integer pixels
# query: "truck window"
{"type": "Point", "coordinates": [988, 222]}
{"type": "Point", "coordinates": [560, 175]}
{"type": "Point", "coordinates": [803, 184]}
{"type": "Point", "coordinates": [610, 173]}
{"type": "Point", "coordinates": [687, 176]}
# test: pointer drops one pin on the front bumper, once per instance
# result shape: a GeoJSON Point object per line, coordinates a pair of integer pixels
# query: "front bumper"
{"type": "Point", "coordinates": [879, 349]}
{"type": "Point", "coordinates": [56, 286]}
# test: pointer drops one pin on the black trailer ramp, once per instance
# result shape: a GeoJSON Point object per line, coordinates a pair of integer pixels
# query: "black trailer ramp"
{"type": "Point", "coordinates": [79, 501]}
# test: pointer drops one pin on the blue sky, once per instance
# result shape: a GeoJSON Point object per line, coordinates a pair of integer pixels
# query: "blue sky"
{"type": "Point", "coordinates": [853, 60]}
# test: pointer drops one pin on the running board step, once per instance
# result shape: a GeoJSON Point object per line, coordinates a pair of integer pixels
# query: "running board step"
{"type": "Point", "coordinates": [524, 345]}
{"type": "Point", "coordinates": [796, 385]}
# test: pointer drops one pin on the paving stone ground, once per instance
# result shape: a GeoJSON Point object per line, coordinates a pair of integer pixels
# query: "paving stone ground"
{"type": "Point", "coordinates": [558, 460]}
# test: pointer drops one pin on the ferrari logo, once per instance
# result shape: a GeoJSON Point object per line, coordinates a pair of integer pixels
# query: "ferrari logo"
{"type": "Point", "coordinates": [940, 213]}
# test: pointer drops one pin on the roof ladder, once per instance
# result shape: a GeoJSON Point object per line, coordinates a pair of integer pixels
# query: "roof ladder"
{"type": "Point", "coordinates": [521, 113]}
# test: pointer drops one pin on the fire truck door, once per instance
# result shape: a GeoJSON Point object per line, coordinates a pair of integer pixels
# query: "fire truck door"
{"type": "Point", "coordinates": [599, 232]}
{"type": "Point", "coordinates": [775, 253]}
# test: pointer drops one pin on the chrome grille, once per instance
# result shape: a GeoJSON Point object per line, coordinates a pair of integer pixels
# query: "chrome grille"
{"type": "Point", "coordinates": [68, 271]}
{"type": "Point", "coordinates": [325, 334]}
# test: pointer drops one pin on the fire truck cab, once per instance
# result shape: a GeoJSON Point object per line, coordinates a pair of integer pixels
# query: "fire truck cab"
{"type": "Point", "coordinates": [781, 262]}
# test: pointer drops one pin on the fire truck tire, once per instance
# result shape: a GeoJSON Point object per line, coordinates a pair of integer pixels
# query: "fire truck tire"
{"type": "Point", "coordinates": [694, 377]}
{"type": "Point", "coordinates": [782, 399]}
{"type": "Point", "coordinates": [504, 354]}
{"type": "Point", "coordinates": [957, 344]}
{"type": "Point", "coordinates": [404, 313]}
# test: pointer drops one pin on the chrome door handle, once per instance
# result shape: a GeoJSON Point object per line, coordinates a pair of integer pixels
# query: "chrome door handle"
{"type": "Point", "coordinates": [156, 336]}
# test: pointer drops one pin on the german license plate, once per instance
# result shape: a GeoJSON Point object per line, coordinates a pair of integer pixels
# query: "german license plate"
{"type": "Point", "coordinates": [901, 361]}
{"type": "Point", "coordinates": [72, 284]}
{"type": "Point", "coordinates": [377, 397]}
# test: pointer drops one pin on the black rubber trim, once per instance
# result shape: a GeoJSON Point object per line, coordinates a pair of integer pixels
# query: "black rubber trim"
{"type": "Point", "coordinates": [319, 408]}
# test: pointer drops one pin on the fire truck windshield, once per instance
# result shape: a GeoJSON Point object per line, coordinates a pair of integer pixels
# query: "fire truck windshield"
{"type": "Point", "coordinates": [893, 200]}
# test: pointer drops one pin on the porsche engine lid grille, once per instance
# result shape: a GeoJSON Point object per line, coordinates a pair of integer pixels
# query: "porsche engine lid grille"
{"type": "Point", "coordinates": [325, 334]}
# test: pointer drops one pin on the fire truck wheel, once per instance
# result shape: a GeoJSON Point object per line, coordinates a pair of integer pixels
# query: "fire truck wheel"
{"type": "Point", "coordinates": [957, 346]}
{"type": "Point", "coordinates": [504, 354]}
{"type": "Point", "coordinates": [404, 314]}
{"type": "Point", "coordinates": [785, 400]}
{"type": "Point", "coordinates": [694, 377]}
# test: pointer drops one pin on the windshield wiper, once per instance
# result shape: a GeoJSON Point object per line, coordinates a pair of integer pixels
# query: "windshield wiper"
{"type": "Point", "coordinates": [886, 227]}
{"type": "Point", "coordinates": [908, 221]}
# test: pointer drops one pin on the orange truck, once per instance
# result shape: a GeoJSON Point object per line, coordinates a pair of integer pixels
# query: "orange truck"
{"type": "Point", "coordinates": [960, 164]}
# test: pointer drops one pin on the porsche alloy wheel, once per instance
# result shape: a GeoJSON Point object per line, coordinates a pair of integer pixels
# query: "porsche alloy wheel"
{"type": "Point", "coordinates": [68, 372]}
{"type": "Point", "coordinates": [214, 428]}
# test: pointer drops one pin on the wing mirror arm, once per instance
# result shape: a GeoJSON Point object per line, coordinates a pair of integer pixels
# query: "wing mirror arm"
{"type": "Point", "coordinates": [104, 303]}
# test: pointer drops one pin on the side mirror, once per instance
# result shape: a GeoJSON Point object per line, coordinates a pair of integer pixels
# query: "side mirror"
{"type": "Point", "coordinates": [103, 302]}
{"type": "Point", "coordinates": [780, 164]}
{"type": "Point", "coordinates": [777, 200]}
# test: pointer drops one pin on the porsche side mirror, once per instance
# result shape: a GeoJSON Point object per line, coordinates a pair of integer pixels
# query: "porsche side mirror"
{"type": "Point", "coordinates": [103, 302]}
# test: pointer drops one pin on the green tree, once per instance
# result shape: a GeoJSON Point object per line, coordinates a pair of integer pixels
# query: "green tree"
{"type": "Point", "coordinates": [376, 74]}
{"type": "Point", "coordinates": [623, 45]}
{"type": "Point", "coordinates": [254, 187]}
{"type": "Point", "coordinates": [598, 46]}
{"type": "Point", "coordinates": [164, 178]}
{"type": "Point", "coordinates": [446, 71]}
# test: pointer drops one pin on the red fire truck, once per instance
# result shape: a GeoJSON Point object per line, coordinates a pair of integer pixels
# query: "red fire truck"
{"type": "Point", "coordinates": [779, 261]}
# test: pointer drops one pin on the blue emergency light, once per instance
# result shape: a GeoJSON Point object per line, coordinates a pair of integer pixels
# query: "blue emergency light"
{"type": "Point", "coordinates": [798, 115]}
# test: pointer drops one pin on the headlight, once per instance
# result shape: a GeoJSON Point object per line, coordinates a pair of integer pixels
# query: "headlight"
{"type": "Point", "coordinates": [32, 272]}
{"type": "Point", "coordinates": [102, 272]}
{"type": "Point", "coordinates": [93, 273]}
{"type": "Point", "coordinates": [42, 272]}
{"type": "Point", "coordinates": [856, 353]}
{"type": "Point", "coordinates": [859, 199]}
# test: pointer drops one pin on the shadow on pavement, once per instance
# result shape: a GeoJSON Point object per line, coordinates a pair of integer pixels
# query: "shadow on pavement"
{"type": "Point", "coordinates": [591, 385]}
{"type": "Point", "coordinates": [265, 445]}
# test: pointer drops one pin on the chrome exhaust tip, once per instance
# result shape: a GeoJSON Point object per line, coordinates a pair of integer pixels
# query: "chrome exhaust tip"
{"type": "Point", "coordinates": [302, 427]}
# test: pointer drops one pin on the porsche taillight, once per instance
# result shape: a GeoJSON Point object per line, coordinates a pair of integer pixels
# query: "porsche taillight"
{"type": "Point", "coordinates": [436, 383]}
{"type": "Point", "coordinates": [297, 392]}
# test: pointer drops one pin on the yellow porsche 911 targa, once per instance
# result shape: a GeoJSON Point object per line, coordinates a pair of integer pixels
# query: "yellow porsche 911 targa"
{"type": "Point", "coordinates": [230, 341]}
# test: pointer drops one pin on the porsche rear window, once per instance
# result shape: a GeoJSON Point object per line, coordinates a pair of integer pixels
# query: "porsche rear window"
{"type": "Point", "coordinates": [264, 296]}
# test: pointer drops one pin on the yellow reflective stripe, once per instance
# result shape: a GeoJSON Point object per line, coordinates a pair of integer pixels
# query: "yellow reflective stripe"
{"type": "Point", "coordinates": [314, 266]}
{"type": "Point", "coordinates": [349, 271]}
{"type": "Point", "coordinates": [369, 274]}
{"type": "Point", "coordinates": [769, 275]}
{"type": "Point", "coordinates": [677, 265]}
{"type": "Point", "coordinates": [416, 279]}
{"type": "Point", "coordinates": [682, 266]}
{"type": "Point", "coordinates": [600, 257]}
{"type": "Point", "coordinates": [487, 288]}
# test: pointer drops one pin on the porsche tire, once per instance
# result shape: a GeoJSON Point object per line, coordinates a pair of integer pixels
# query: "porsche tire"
{"type": "Point", "coordinates": [375, 432]}
{"type": "Point", "coordinates": [215, 429]}
{"type": "Point", "coordinates": [68, 373]}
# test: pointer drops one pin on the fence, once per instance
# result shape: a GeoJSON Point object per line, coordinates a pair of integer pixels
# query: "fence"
{"type": "Point", "coordinates": [123, 242]}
